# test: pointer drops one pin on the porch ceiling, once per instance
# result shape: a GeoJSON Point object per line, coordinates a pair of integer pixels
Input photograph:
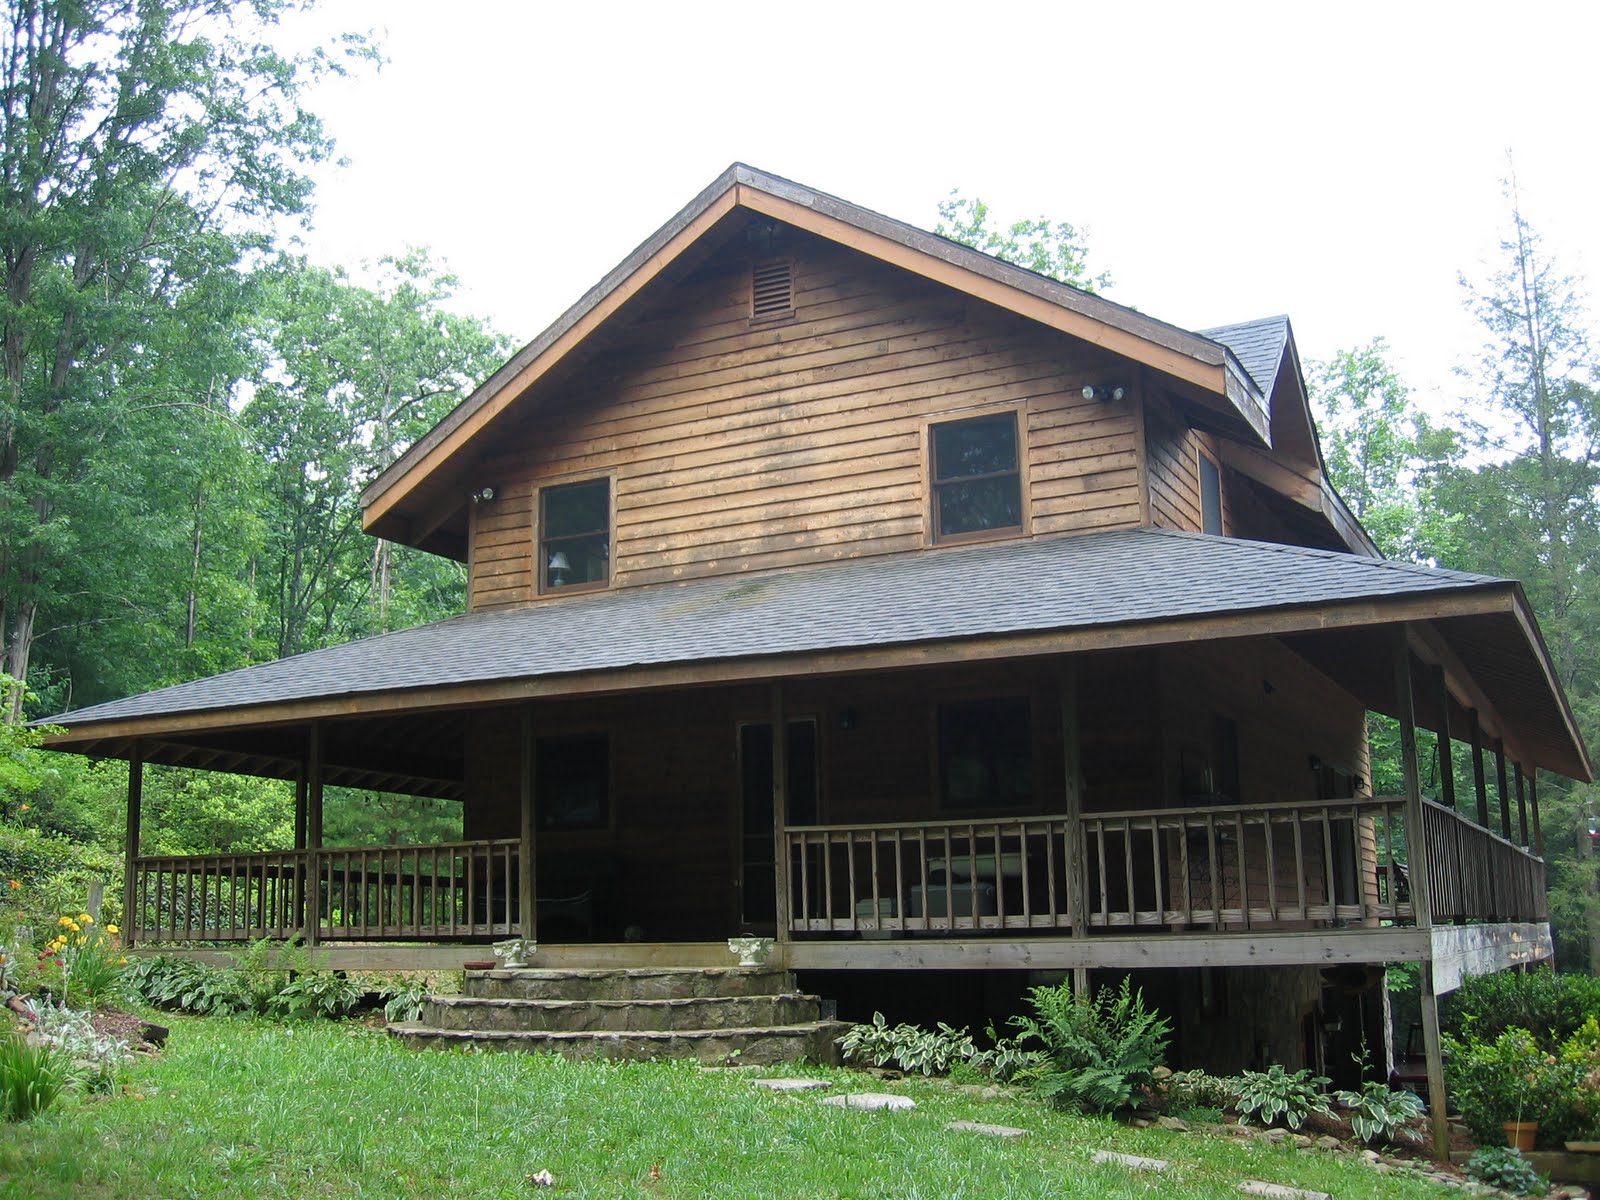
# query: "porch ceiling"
{"type": "Point", "coordinates": [1009, 599]}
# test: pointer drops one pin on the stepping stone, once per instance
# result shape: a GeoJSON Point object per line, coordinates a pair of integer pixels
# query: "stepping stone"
{"type": "Point", "coordinates": [1000, 1131]}
{"type": "Point", "coordinates": [871, 1101]}
{"type": "Point", "coordinates": [1132, 1161]}
{"type": "Point", "coordinates": [1255, 1187]}
{"type": "Point", "coordinates": [791, 1085]}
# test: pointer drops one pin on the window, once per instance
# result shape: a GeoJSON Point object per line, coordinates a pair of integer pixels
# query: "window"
{"type": "Point", "coordinates": [977, 487]}
{"type": "Point", "coordinates": [986, 754]}
{"type": "Point", "coordinates": [575, 536]}
{"type": "Point", "coordinates": [572, 781]}
{"type": "Point", "coordinates": [1210, 496]}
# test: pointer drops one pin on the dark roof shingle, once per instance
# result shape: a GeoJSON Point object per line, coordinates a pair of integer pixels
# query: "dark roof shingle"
{"type": "Point", "coordinates": [1258, 345]}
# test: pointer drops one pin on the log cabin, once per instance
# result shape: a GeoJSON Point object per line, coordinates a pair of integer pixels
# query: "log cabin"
{"type": "Point", "coordinates": [835, 582]}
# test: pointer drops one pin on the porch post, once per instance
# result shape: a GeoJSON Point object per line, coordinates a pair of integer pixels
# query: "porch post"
{"type": "Point", "coordinates": [1533, 803]}
{"type": "Point", "coordinates": [312, 917]}
{"type": "Point", "coordinates": [130, 876]}
{"type": "Point", "coordinates": [527, 888]}
{"type": "Point", "coordinates": [300, 845]}
{"type": "Point", "coordinates": [1480, 785]}
{"type": "Point", "coordinates": [1072, 786]}
{"type": "Point", "coordinates": [1417, 871]}
{"type": "Point", "coordinates": [1447, 766]}
{"type": "Point", "coordinates": [780, 813]}
{"type": "Point", "coordinates": [1504, 787]}
{"type": "Point", "coordinates": [1522, 808]}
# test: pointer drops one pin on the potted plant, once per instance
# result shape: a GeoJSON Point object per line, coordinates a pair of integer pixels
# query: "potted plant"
{"type": "Point", "coordinates": [1502, 1086]}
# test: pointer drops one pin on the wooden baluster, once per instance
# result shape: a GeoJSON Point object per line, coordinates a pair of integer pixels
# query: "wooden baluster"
{"type": "Point", "coordinates": [922, 865]}
{"type": "Point", "coordinates": [1127, 867]}
{"type": "Point", "coordinates": [850, 871]}
{"type": "Point", "coordinates": [1027, 880]}
{"type": "Point", "coordinates": [1215, 878]}
{"type": "Point", "coordinates": [1105, 871]}
{"type": "Point", "coordinates": [1050, 871]}
{"type": "Point", "coordinates": [1299, 866]}
{"type": "Point", "coordinates": [899, 879]}
{"type": "Point", "coordinates": [1156, 873]}
{"type": "Point", "coordinates": [972, 881]}
{"type": "Point", "coordinates": [1244, 870]}
{"type": "Point", "coordinates": [1272, 866]}
{"type": "Point", "coordinates": [999, 880]}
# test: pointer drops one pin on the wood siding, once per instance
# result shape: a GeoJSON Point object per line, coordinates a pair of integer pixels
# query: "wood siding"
{"type": "Point", "coordinates": [1173, 448]}
{"type": "Point", "coordinates": [737, 446]}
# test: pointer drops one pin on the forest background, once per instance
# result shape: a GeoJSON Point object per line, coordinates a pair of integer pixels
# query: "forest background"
{"type": "Point", "coordinates": [189, 410]}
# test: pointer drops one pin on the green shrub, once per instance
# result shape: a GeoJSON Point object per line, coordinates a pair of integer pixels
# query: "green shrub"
{"type": "Point", "coordinates": [317, 994]}
{"type": "Point", "coordinates": [1007, 1060]}
{"type": "Point", "coordinates": [909, 1047]}
{"type": "Point", "coordinates": [96, 1060]}
{"type": "Point", "coordinates": [187, 985]}
{"type": "Point", "coordinates": [1099, 1050]}
{"type": "Point", "coordinates": [1275, 1094]}
{"type": "Point", "coordinates": [1552, 1007]}
{"type": "Point", "coordinates": [403, 999]}
{"type": "Point", "coordinates": [1513, 1078]}
{"type": "Point", "coordinates": [1506, 1169]}
{"type": "Point", "coordinates": [32, 1075]}
{"type": "Point", "coordinates": [1200, 1090]}
{"type": "Point", "coordinates": [1378, 1113]}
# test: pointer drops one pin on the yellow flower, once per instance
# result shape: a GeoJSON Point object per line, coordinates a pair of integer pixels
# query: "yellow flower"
{"type": "Point", "coordinates": [63, 920]}
{"type": "Point", "coordinates": [16, 885]}
{"type": "Point", "coordinates": [75, 927]}
{"type": "Point", "coordinates": [122, 962]}
{"type": "Point", "coordinates": [112, 929]}
{"type": "Point", "coordinates": [86, 918]}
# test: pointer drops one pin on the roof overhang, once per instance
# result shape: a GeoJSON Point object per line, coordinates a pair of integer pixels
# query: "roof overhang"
{"type": "Point", "coordinates": [415, 498]}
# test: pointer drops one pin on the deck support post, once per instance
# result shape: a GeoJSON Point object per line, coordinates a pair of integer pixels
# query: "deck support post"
{"type": "Point", "coordinates": [1522, 809]}
{"type": "Point", "coordinates": [1480, 785]}
{"type": "Point", "coordinates": [300, 846]}
{"type": "Point", "coordinates": [311, 916]}
{"type": "Point", "coordinates": [1447, 766]}
{"type": "Point", "coordinates": [1072, 787]}
{"type": "Point", "coordinates": [527, 851]}
{"type": "Point", "coordinates": [1504, 788]}
{"type": "Point", "coordinates": [130, 875]}
{"type": "Point", "coordinates": [1417, 872]}
{"type": "Point", "coordinates": [780, 814]}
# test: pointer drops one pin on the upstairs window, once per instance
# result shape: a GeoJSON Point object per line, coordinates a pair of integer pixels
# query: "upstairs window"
{"type": "Point", "coordinates": [575, 536]}
{"type": "Point", "coordinates": [977, 487]}
{"type": "Point", "coordinates": [1210, 496]}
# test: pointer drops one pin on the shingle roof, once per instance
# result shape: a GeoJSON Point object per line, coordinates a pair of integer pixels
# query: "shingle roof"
{"type": "Point", "coordinates": [1044, 585]}
{"type": "Point", "coordinates": [1258, 345]}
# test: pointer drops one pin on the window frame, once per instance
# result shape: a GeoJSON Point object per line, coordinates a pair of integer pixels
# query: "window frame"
{"type": "Point", "coordinates": [941, 800]}
{"type": "Point", "coordinates": [1204, 458]}
{"type": "Point", "coordinates": [934, 535]}
{"type": "Point", "coordinates": [541, 557]}
{"type": "Point", "coordinates": [541, 748]}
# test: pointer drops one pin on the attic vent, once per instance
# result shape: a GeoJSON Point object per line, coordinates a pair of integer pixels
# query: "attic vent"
{"type": "Point", "coordinates": [772, 289]}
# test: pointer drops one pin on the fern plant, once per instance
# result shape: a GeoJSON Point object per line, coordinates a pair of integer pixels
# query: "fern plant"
{"type": "Point", "coordinates": [1099, 1050]}
{"type": "Point", "coordinates": [1276, 1094]}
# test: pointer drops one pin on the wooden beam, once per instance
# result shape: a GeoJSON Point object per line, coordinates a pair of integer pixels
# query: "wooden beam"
{"type": "Point", "coordinates": [1235, 625]}
{"type": "Point", "coordinates": [1304, 488]}
{"type": "Point", "coordinates": [130, 876]}
{"type": "Point", "coordinates": [1072, 783]}
{"type": "Point", "coordinates": [1522, 808]}
{"type": "Point", "coordinates": [527, 889]}
{"type": "Point", "coordinates": [311, 917]}
{"type": "Point", "coordinates": [1430, 646]}
{"type": "Point", "coordinates": [1417, 874]}
{"type": "Point", "coordinates": [1533, 803]}
{"type": "Point", "coordinates": [1447, 764]}
{"type": "Point", "coordinates": [1461, 951]}
{"type": "Point", "coordinates": [780, 811]}
{"type": "Point", "coordinates": [1503, 787]}
{"type": "Point", "coordinates": [1480, 785]}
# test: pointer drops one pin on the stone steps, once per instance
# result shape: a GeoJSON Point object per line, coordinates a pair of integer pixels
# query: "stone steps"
{"type": "Point", "coordinates": [689, 1012]}
{"type": "Point", "coordinates": [764, 1046]}
{"type": "Point", "coordinates": [709, 1014]}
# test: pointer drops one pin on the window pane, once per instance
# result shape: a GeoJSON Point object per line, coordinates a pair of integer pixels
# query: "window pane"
{"type": "Point", "coordinates": [577, 508]}
{"type": "Point", "coordinates": [570, 561]}
{"type": "Point", "coordinates": [1210, 497]}
{"type": "Point", "coordinates": [986, 754]}
{"type": "Point", "coordinates": [573, 782]}
{"type": "Point", "coordinates": [972, 507]}
{"type": "Point", "coordinates": [981, 447]}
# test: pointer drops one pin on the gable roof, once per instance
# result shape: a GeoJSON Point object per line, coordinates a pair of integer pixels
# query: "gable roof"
{"type": "Point", "coordinates": [1203, 370]}
{"type": "Point", "coordinates": [1046, 595]}
{"type": "Point", "coordinates": [1258, 345]}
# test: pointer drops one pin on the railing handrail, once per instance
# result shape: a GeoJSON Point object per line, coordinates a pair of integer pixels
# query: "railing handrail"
{"type": "Point", "coordinates": [463, 844]}
{"type": "Point", "coordinates": [1200, 810]}
{"type": "Point", "coordinates": [952, 822]}
{"type": "Point", "coordinates": [1445, 810]}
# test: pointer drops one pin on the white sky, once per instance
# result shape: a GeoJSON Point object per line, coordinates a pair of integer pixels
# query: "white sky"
{"type": "Point", "coordinates": [1340, 163]}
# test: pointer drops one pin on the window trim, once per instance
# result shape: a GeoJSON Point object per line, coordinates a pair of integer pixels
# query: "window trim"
{"type": "Point", "coordinates": [1203, 458]}
{"type": "Point", "coordinates": [540, 586]}
{"type": "Point", "coordinates": [930, 508]}
{"type": "Point", "coordinates": [941, 804]}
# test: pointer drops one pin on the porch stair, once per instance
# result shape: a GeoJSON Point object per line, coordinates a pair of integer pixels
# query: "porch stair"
{"type": "Point", "coordinates": [709, 1014]}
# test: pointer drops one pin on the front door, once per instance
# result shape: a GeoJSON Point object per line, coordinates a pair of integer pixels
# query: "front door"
{"type": "Point", "coordinates": [758, 901]}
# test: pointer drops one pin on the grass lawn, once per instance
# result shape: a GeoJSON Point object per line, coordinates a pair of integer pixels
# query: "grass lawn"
{"type": "Point", "coordinates": [241, 1108]}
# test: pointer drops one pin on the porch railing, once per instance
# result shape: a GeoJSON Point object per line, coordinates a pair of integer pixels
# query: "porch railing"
{"type": "Point", "coordinates": [1474, 874]}
{"type": "Point", "coordinates": [445, 891]}
{"type": "Point", "coordinates": [1246, 865]}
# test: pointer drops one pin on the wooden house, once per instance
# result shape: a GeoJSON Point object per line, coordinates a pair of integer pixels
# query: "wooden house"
{"type": "Point", "coordinates": [834, 581]}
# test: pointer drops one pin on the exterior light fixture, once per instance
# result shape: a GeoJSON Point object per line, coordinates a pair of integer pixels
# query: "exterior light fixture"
{"type": "Point", "coordinates": [1103, 393]}
{"type": "Point", "coordinates": [482, 495]}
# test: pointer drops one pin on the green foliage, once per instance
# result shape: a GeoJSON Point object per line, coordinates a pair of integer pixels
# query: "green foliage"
{"type": "Point", "coordinates": [1055, 249]}
{"type": "Point", "coordinates": [96, 1060]}
{"type": "Point", "coordinates": [32, 1075]}
{"type": "Point", "coordinates": [317, 994]}
{"type": "Point", "coordinates": [1378, 1112]}
{"type": "Point", "coordinates": [1504, 1168]}
{"type": "Point", "coordinates": [908, 1047]}
{"type": "Point", "coordinates": [175, 982]}
{"type": "Point", "coordinates": [1513, 1078]}
{"type": "Point", "coordinates": [1008, 1060]}
{"type": "Point", "coordinates": [1099, 1049]}
{"type": "Point", "coordinates": [1553, 1007]}
{"type": "Point", "coordinates": [1198, 1089]}
{"type": "Point", "coordinates": [403, 999]}
{"type": "Point", "coordinates": [1275, 1094]}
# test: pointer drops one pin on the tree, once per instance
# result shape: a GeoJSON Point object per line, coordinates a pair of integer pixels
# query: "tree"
{"type": "Point", "coordinates": [1055, 249]}
{"type": "Point", "coordinates": [147, 150]}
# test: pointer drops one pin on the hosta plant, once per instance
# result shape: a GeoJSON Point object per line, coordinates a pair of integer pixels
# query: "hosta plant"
{"type": "Point", "coordinates": [1275, 1094]}
{"type": "Point", "coordinates": [909, 1047]}
{"type": "Point", "coordinates": [1378, 1112]}
{"type": "Point", "coordinates": [1504, 1168]}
